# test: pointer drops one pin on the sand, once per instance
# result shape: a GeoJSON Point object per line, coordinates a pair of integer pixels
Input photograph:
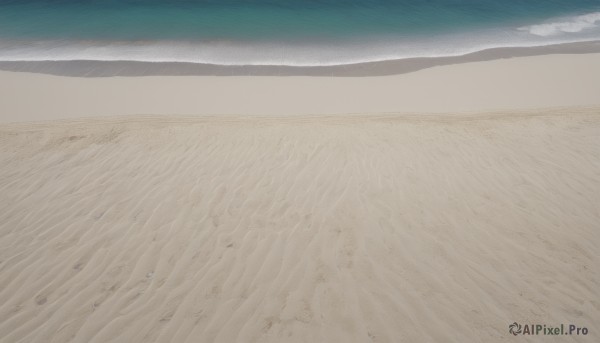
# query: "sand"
{"type": "Point", "coordinates": [504, 84]}
{"type": "Point", "coordinates": [260, 209]}
{"type": "Point", "coordinates": [399, 228]}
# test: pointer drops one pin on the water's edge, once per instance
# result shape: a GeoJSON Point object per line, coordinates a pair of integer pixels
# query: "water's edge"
{"type": "Point", "coordinates": [90, 68]}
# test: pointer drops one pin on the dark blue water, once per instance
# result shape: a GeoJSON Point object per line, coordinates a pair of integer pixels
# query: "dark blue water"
{"type": "Point", "coordinates": [296, 32]}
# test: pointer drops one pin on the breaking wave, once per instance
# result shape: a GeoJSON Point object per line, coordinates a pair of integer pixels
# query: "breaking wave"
{"type": "Point", "coordinates": [569, 25]}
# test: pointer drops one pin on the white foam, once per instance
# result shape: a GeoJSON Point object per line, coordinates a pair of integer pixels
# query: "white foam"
{"type": "Point", "coordinates": [301, 55]}
{"type": "Point", "coordinates": [569, 25]}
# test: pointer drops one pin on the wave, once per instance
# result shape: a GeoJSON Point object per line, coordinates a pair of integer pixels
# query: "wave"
{"type": "Point", "coordinates": [569, 25]}
{"type": "Point", "coordinates": [576, 29]}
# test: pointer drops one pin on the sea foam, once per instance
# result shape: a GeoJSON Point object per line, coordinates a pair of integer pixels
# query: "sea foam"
{"type": "Point", "coordinates": [569, 25]}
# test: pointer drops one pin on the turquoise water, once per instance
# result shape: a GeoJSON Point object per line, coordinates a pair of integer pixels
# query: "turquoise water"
{"type": "Point", "coordinates": [292, 32]}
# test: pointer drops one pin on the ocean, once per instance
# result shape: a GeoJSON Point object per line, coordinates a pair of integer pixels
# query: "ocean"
{"type": "Point", "coordinates": [284, 32]}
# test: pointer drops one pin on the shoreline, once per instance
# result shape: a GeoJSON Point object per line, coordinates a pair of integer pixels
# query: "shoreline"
{"type": "Point", "coordinates": [520, 83]}
{"type": "Point", "coordinates": [90, 68]}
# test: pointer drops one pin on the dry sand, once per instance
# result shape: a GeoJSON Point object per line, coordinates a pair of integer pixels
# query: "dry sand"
{"type": "Point", "coordinates": [517, 83]}
{"type": "Point", "coordinates": [307, 229]}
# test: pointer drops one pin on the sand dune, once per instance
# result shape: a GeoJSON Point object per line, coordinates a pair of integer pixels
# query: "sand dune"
{"type": "Point", "coordinates": [306, 229]}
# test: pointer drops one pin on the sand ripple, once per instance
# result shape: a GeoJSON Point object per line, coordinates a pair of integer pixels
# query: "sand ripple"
{"type": "Point", "coordinates": [349, 229]}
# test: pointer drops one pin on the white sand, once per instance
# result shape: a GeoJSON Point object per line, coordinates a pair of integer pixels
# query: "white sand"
{"type": "Point", "coordinates": [524, 82]}
{"type": "Point", "coordinates": [347, 229]}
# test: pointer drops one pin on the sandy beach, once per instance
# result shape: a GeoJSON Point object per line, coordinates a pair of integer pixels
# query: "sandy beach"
{"type": "Point", "coordinates": [327, 229]}
{"type": "Point", "coordinates": [440, 205]}
{"type": "Point", "coordinates": [545, 81]}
